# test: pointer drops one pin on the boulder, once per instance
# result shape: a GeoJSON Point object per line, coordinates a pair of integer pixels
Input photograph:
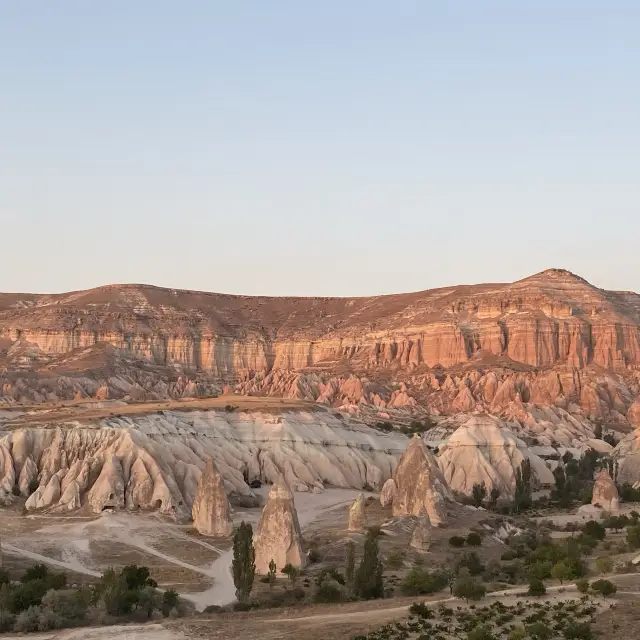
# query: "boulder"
{"type": "Point", "coordinates": [633, 415]}
{"type": "Point", "coordinates": [210, 510]}
{"type": "Point", "coordinates": [388, 493]}
{"type": "Point", "coordinates": [421, 487]}
{"type": "Point", "coordinates": [357, 516]}
{"type": "Point", "coordinates": [278, 536]}
{"type": "Point", "coordinates": [605, 492]}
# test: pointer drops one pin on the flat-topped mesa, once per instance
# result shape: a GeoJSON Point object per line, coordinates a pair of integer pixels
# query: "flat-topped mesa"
{"type": "Point", "coordinates": [210, 509]}
{"type": "Point", "coordinates": [278, 536]}
{"type": "Point", "coordinates": [357, 515]}
{"type": "Point", "coordinates": [421, 487]}
{"type": "Point", "coordinates": [605, 492]}
{"type": "Point", "coordinates": [552, 318]}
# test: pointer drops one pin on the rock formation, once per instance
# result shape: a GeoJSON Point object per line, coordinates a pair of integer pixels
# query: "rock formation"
{"type": "Point", "coordinates": [357, 516]}
{"type": "Point", "coordinates": [154, 461]}
{"type": "Point", "coordinates": [211, 506]}
{"type": "Point", "coordinates": [421, 487]}
{"type": "Point", "coordinates": [137, 342]}
{"type": "Point", "coordinates": [484, 450]}
{"type": "Point", "coordinates": [605, 492]}
{"type": "Point", "coordinates": [388, 493]}
{"type": "Point", "coordinates": [278, 536]}
{"type": "Point", "coordinates": [421, 536]}
{"type": "Point", "coordinates": [627, 459]}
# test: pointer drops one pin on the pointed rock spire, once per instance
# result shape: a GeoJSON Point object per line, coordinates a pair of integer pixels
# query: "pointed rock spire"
{"type": "Point", "coordinates": [210, 509]}
{"type": "Point", "coordinates": [420, 484]}
{"type": "Point", "coordinates": [605, 492]}
{"type": "Point", "coordinates": [357, 516]}
{"type": "Point", "coordinates": [278, 536]}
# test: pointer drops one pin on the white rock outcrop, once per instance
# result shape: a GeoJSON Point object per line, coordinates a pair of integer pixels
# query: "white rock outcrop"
{"type": "Point", "coordinates": [357, 515]}
{"type": "Point", "coordinates": [153, 461]}
{"type": "Point", "coordinates": [484, 450]}
{"type": "Point", "coordinates": [421, 487]}
{"type": "Point", "coordinates": [211, 514]}
{"type": "Point", "coordinates": [278, 536]}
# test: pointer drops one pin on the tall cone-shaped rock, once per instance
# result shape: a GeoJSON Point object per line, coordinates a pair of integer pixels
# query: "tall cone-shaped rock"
{"type": "Point", "coordinates": [388, 493]}
{"type": "Point", "coordinates": [420, 485]}
{"type": "Point", "coordinates": [210, 509]}
{"type": "Point", "coordinates": [278, 536]}
{"type": "Point", "coordinates": [357, 516]}
{"type": "Point", "coordinates": [605, 492]}
{"type": "Point", "coordinates": [421, 536]}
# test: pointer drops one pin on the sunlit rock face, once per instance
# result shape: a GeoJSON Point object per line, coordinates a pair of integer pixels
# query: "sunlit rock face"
{"type": "Point", "coordinates": [278, 536]}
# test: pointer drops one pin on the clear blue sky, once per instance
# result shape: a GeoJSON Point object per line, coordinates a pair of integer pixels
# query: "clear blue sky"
{"type": "Point", "coordinates": [318, 147]}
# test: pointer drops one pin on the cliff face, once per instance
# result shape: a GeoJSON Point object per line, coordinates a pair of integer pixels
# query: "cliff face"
{"type": "Point", "coordinates": [553, 317]}
{"type": "Point", "coordinates": [550, 319]}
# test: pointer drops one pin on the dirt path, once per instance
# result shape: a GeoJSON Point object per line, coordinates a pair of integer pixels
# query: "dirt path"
{"type": "Point", "coordinates": [70, 565]}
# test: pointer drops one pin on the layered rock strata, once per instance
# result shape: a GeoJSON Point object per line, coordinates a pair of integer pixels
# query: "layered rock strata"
{"type": "Point", "coordinates": [549, 319]}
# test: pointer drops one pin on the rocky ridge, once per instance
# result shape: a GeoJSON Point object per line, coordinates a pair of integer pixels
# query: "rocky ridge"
{"type": "Point", "coordinates": [142, 342]}
{"type": "Point", "coordinates": [155, 461]}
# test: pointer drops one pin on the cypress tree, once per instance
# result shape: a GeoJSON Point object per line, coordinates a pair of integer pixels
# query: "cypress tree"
{"type": "Point", "coordinates": [243, 565]}
{"type": "Point", "coordinates": [368, 579]}
{"type": "Point", "coordinates": [350, 568]}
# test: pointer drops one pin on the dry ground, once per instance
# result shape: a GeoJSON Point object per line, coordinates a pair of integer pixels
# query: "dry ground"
{"type": "Point", "coordinates": [77, 410]}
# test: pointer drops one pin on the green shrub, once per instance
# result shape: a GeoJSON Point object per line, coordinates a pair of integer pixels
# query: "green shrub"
{"type": "Point", "coordinates": [582, 585]}
{"type": "Point", "coordinates": [330, 591]}
{"type": "Point", "coordinates": [420, 582]}
{"type": "Point", "coordinates": [469, 589]}
{"type": "Point", "coordinates": [604, 587]}
{"type": "Point", "coordinates": [7, 620]}
{"type": "Point", "coordinates": [536, 587]}
{"type": "Point", "coordinates": [474, 539]}
{"type": "Point", "coordinates": [456, 541]}
{"type": "Point", "coordinates": [28, 620]}
{"type": "Point", "coordinates": [421, 610]}
{"type": "Point", "coordinates": [594, 530]}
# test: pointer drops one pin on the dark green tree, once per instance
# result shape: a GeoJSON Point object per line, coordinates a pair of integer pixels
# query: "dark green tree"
{"type": "Point", "coordinates": [350, 566]}
{"type": "Point", "coordinates": [243, 565]}
{"type": "Point", "coordinates": [494, 496]}
{"type": "Point", "coordinates": [522, 499]}
{"type": "Point", "coordinates": [479, 493]}
{"type": "Point", "coordinates": [469, 588]}
{"type": "Point", "coordinates": [369, 583]}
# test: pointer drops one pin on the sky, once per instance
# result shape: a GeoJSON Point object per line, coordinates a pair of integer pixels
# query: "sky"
{"type": "Point", "coordinates": [342, 147]}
